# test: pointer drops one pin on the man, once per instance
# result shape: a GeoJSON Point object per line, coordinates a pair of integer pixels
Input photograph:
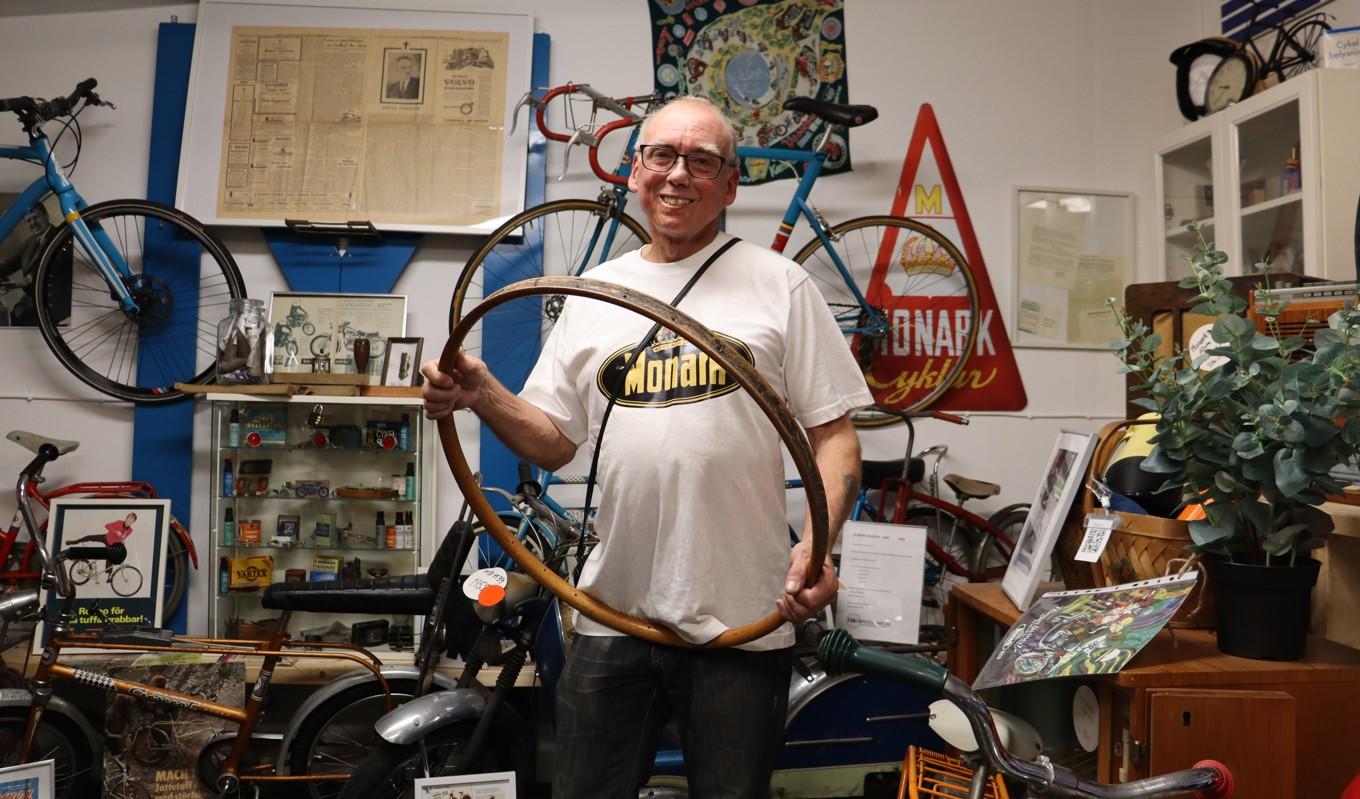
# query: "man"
{"type": "Point", "coordinates": [405, 87]}
{"type": "Point", "coordinates": [691, 518]}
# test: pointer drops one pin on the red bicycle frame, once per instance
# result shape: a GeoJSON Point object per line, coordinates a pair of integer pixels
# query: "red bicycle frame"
{"type": "Point", "coordinates": [903, 495]}
{"type": "Point", "coordinates": [24, 567]}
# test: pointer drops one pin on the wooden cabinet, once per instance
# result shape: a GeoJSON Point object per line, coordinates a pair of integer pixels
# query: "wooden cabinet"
{"type": "Point", "coordinates": [1272, 177]}
{"type": "Point", "coordinates": [1285, 729]}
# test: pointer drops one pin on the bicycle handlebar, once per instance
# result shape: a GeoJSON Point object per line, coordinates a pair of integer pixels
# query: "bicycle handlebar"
{"type": "Point", "coordinates": [838, 652]}
{"type": "Point", "coordinates": [40, 110]}
{"type": "Point", "coordinates": [113, 553]}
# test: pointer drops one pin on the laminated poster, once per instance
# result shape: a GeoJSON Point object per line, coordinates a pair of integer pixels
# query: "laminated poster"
{"type": "Point", "coordinates": [1091, 631]}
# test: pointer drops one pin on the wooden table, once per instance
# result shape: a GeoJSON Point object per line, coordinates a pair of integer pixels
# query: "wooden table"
{"type": "Point", "coordinates": [1287, 729]}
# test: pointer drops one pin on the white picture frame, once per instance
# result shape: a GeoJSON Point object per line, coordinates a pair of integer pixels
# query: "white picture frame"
{"type": "Point", "coordinates": [29, 781]}
{"type": "Point", "coordinates": [496, 785]}
{"type": "Point", "coordinates": [1062, 479]}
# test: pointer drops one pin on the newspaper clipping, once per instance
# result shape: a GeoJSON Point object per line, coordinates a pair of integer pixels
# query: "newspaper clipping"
{"type": "Point", "coordinates": [346, 124]}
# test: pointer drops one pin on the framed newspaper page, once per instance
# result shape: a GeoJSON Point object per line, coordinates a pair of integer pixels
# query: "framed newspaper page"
{"type": "Point", "coordinates": [312, 111]}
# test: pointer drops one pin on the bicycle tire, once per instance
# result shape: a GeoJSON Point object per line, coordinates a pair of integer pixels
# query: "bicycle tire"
{"type": "Point", "coordinates": [1308, 34]}
{"type": "Point", "coordinates": [81, 572]}
{"type": "Point", "coordinates": [126, 580]}
{"type": "Point", "coordinates": [1009, 520]}
{"type": "Point", "coordinates": [338, 734]}
{"type": "Point", "coordinates": [151, 746]}
{"type": "Point", "coordinates": [571, 232]}
{"type": "Point", "coordinates": [961, 548]}
{"type": "Point", "coordinates": [74, 302]}
{"type": "Point", "coordinates": [77, 761]}
{"type": "Point", "coordinates": [388, 770]}
{"type": "Point", "coordinates": [742, 373]}
{"type": "Point", "coordinates": [176, 570]}
{"type": "Point", "coordinates": [930, 266]}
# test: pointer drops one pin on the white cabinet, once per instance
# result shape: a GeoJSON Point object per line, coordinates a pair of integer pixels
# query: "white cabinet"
{"type": "Point", "coordinates": [1274, 177]}
{"type": "Point", "coordinates": [311, 478]}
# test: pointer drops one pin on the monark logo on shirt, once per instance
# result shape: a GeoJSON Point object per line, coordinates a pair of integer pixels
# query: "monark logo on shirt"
{"type": "Point", "coordinates": [671, 371]}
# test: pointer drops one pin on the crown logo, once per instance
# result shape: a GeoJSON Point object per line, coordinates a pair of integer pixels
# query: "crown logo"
{"type": "Point", "coordinates": [923, 256]}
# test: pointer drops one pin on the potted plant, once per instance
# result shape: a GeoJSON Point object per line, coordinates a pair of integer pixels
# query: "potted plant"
{"type": "Point", "coordinates": [1250, 425]}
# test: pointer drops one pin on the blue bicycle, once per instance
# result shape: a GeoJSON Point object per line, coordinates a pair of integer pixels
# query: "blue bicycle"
{"type": "Point", "coordinates": [126, 293]}
{"type": "Point", "coordinates": [900, 290]}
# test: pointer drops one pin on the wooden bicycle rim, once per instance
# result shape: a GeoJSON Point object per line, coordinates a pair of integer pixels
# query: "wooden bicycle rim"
{"type": "Point", "coordinates": [698, 335]}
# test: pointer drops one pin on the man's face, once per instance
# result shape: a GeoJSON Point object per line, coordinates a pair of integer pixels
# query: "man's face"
{"type": "Point", "coordinates": [682, 210]}
{"type": "Point", "coordinates": [405, 67]}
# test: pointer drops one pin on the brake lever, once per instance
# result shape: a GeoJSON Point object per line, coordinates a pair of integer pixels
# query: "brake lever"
{"type": "Point", "coordinates": [581, 136]}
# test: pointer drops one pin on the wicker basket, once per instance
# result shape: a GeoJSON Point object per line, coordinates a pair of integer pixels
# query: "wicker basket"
{"type": "Point", "coordinates": [1140, 548]}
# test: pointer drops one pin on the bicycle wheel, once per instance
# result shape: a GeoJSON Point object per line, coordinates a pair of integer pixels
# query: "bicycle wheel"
{"type": "Point", "coordinates": [389, 770]}
{"type": "Point", "coordinates": [126, 580]}
{"type": "Point", "coordinates": [953, 535]}
{"type": "Point", "coordinates": [151, 745]}
{"type": "Point", "coordinates": [81, 572]}
{"type": "Point", "coordinates": [339, 733]}
{"type": "Point", "coordinates": [1301, 46]}
{"type": "Point", "coordinates": [176, 570]}
{"type": "Point", "coordinates": [77, 764]}
{"type": "Point", "coordinates": [172, 261]}
{"type": "Point", "coordinates": [922, 326]}
{"type": "Point", "coordinates": [1010, 520]}
{"type": "Point", "coordinates": [564, 237]}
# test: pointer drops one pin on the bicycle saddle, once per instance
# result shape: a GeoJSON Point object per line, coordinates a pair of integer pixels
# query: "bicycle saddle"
{"type": "Point", "coordinates": [973, 489]}
{"type": "Point", "coordinates": [33, 442]}
{"type": "Point", "coordinates": [1017, 735]}
{"type": "Point", "coordinates": [836, 113]}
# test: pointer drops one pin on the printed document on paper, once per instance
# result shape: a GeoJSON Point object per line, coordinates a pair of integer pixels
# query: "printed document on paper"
{"type": "Point", "coordinates": [882, 570]}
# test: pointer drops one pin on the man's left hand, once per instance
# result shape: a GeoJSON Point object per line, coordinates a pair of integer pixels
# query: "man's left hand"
{"type": "Point", "coordinates": [802, 601]}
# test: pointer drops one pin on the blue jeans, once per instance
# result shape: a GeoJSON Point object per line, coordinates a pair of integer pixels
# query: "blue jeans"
{"type": "Point", "coordinates": [617, 692]}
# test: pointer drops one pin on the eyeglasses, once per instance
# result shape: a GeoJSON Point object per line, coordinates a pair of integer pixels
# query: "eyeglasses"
{"type": "Point", "coordinates": [660, 158]}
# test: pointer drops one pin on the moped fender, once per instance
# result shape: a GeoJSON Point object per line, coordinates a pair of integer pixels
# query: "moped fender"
{"type": "Point", "coordinates": [418, 718]}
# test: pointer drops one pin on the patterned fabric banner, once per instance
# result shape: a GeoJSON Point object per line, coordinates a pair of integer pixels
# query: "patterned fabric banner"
{"type": "Point", "coordinates": [1237, 14]}
{"type": "Point", "coordinates": [748, 57]}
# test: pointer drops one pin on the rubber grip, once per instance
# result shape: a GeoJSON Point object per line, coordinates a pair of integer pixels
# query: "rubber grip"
{"type": "Point", "coordinates": [1226, 782]}
{"type": "Point", "coordinates": [113, 553]}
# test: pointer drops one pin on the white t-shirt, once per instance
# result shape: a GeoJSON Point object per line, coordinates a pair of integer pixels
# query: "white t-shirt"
{"type": "Point", "coordinates": [691, 496]}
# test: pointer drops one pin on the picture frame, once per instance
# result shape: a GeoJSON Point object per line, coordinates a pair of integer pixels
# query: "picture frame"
{"type": "Point", "coordinates": [1062, 479]}
{"type": "Point", "coordinates": [403, 75]}
{"type": "Point", "coordinates": [495, 785]}
{"type": "Point", "coordinates": [315, 331]}
{"type": "Point", "coordinates": [1073, 249]}
{"type": "Point", "coordinates": [37, 780]}
{"type": "Point", "coordinates": [129, 593]}
{"type": "Point", "coordinates": [401, 361]}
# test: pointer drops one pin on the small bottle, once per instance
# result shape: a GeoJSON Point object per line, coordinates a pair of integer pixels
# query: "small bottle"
{"type": "Point", "coordinates": [390, 535]}
{"type": "Point", "coordinates": [228, 479]}
{"type": "Point", "coordinates": [229, 529]}
{"type": "Point", "coordinates": [409, 531]}
{"type": "Point", "coordinates": [1289, 176]}
{"type": "Point", "coordinates": [380, 529]}
{"type": "Point", "coordinates": [409, 482]}
{"type": "Point", "coordinates": [398, 484]}
{"type": "Point", "coordinates": [223, 576]}
{"type": "Point", "coordinates": [404, 439]}
{"type": "Point", "coordinates": [234, 428]}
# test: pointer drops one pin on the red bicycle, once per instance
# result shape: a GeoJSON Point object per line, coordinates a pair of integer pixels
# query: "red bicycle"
{"type": "Point", "coordinates": [20, 561]}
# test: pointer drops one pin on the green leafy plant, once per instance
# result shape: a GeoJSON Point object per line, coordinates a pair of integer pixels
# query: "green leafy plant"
{"type": "Point", "coordinates": [1252, 425]}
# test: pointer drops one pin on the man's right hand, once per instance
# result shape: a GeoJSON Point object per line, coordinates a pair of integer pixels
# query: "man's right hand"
{"type": "Point", "coordinates": [446, 392]}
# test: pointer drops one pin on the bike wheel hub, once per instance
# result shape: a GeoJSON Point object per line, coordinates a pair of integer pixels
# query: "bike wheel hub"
{"type": "Point", "coordinates": [155, 302]}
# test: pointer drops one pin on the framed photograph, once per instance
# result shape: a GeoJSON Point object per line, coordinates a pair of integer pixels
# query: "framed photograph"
{"type": "Point", "coordinates": [1061, 481]}
{"type": "Point", "coordinates": [402, 362]}
{"type": "Point", "coordinates": [500, 785]}
{"type": "Point", "coordinates": [29, 781]}
{"type": "Point", "coordinates": [1073, 249]}
{"type": "Point", "coordinates": [316, 332]}
{"type": "Point", "coordinates": [127, 593]}
{"type": "Point", "coordinates": [402, 77]}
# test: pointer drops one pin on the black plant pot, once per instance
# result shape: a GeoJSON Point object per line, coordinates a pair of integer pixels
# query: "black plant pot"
{"type": "Point", "coordinates": [1263, 610]}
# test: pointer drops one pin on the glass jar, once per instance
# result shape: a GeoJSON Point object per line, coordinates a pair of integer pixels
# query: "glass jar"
{"type": "Point", "coordinates": [241, 342]}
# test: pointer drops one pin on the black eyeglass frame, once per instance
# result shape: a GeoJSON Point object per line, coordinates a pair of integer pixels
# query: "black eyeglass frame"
{"type": "Point", "coordinates": [643, 149]}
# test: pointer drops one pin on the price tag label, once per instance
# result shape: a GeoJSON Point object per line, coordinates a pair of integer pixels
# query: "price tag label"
{"type": "Point", "coordinates": [475, 582]}
{"type": "Point", "coordinates": [1098, 529]}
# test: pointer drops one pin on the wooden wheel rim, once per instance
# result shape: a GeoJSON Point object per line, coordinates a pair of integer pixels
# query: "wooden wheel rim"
{"type": "Point", "coordinates": [745, 375]}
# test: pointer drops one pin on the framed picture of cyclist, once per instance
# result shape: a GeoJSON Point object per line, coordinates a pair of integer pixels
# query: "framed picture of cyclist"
{"type": "Point", "coordinates": [127, 593]}
{"type": "Point", "coordinates": [336, 333]}
{"type": "Point", "coordinates": [401, 362]}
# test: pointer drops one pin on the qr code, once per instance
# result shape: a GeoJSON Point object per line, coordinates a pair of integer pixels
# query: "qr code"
{"type": "Point", "coordinates": [1094, 541]}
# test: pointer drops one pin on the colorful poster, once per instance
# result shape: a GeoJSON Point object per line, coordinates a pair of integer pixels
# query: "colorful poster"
{"type": "Point", "coordinates": [748, 57]}
{"type": "Point", "coordinates": [1076, 633]}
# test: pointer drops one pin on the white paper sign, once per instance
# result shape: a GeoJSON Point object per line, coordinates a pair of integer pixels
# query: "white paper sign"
{"type": "Point", "coordinates": [1098, 529]}
{"type": "Point", "coordinates": [882, 569]}
{"type": "Point", "coordinates": [475, 582]}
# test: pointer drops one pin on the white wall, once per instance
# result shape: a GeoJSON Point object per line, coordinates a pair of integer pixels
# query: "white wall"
{"type": "Point", "coordinates": [1067, 93]}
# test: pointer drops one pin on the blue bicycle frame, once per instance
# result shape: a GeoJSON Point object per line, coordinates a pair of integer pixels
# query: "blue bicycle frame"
{"type": "Point", "coordinates": [95, 243]}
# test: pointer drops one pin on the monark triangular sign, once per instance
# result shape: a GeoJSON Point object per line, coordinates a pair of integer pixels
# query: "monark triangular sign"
{"type": "Point", "coordinates": [928, 190]}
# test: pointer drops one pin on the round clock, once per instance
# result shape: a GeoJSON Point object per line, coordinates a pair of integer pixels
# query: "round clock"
{"type": "Point", "coordinates": [1231, 82]}
{"type": "Point", "coordinates": [1195, 64]}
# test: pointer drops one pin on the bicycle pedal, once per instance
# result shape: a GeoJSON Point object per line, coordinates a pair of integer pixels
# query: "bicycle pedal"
{"type": "Point", "coordinates": [137, 636]}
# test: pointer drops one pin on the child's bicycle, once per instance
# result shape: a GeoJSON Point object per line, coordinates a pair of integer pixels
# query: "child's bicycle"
{"type": "Point", "coordinates": [839, 652]}
{"type": "Point", "coordinates": [900, 290]}
{"type": "Point", "coordinates": [121, 287]}
{"type": "Point", "coordinates": [20, 563]}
